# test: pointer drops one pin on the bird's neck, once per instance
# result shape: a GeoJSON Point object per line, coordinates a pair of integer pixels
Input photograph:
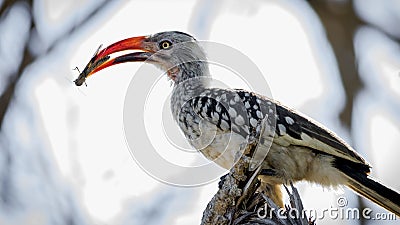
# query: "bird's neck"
{"type": "Point", "coordinates": [192, 80]}
{"type": "Point", "coordinates": [196, 73]}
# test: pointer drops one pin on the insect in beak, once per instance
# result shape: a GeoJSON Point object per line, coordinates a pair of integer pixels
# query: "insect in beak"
{"type": "Point", "coordinates": [93, 64]}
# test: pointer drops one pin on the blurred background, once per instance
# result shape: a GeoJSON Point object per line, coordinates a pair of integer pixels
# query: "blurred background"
{"type": "Point", "coordinates": [63, 157]}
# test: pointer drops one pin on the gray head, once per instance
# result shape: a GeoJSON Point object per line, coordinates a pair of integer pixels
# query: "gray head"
{"type": "Point", "coordinates": [174, 52]}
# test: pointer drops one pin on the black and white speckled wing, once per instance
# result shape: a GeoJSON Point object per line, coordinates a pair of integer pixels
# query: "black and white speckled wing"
{"type": "Point", "coordinates": [293, 128]}
{"type": "Point", "coordinates": [245, 112]}
{"type": "Point", "coordinates": [238, 111]}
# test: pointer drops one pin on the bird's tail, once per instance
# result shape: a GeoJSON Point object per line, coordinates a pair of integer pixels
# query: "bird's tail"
{"type": "Point", "coordinates": [367, 187]}
{"type": "Point", "coordinates": [376, 192]}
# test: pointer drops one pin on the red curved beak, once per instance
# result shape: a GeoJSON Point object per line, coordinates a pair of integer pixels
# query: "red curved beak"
{"type": "Point", "coordinates": [102, 59]}
{"type": "Point", "coordinates": [134, 43]}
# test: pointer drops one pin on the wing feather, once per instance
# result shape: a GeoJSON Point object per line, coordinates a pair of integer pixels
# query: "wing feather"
{"type": "Point", "coordinates": [221, 106]}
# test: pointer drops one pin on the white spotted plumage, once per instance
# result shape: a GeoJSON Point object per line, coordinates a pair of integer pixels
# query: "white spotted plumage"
{"type": "Point", "coordinates": [289, 120]}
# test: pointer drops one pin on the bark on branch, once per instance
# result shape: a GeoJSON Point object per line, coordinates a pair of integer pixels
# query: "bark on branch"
{"type": "Point", "coordinates": [8, 94]}
{"type": "Point", "coordinates": [237, 201]}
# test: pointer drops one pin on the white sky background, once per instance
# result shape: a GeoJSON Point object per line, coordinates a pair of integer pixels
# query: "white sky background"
{"type": "Point", "coordinates": [84, 125]}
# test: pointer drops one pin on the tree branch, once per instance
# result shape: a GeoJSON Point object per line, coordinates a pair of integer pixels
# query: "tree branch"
{"type": "Point", "coordinates": [5, 6]}
{"type": "Point", "coordinates": [9, 92]}
{"type": "Point", "coordinates": [238, 203]}
{"type": "Point", "coordinates": [341, 23]}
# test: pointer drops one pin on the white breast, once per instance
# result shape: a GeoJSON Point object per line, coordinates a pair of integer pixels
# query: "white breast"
{"type": "Point", "coordinates": [219, 147]}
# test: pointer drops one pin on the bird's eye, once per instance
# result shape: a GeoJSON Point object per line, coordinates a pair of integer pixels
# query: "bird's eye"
{"type": "Point", "coordinates": [165, 45]}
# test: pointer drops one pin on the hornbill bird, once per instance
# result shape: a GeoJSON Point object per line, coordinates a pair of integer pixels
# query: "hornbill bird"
{"type": "Point", "coordinates": [299, 148]}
